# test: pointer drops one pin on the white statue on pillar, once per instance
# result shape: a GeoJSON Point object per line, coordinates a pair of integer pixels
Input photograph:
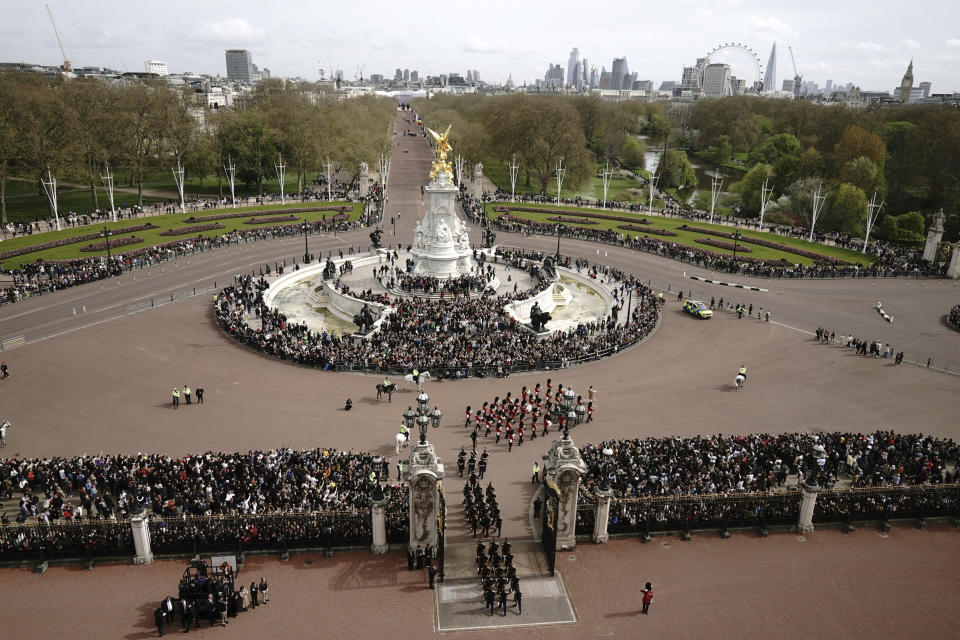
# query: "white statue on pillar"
{"type": "Point", "coordinates": [441, 243]}
{"type": "Point", "coordinates": [934, 236]}
{"type": "Point", "coordinates": [563, 466]}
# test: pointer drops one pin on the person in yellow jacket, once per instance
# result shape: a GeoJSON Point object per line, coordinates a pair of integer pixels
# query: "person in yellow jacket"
{"type": "Point", "coordinates": [176, 398]}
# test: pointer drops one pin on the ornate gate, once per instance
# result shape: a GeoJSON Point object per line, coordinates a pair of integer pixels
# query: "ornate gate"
{"type": "Point", "coordinates": [548, 532]}
{"type": "Point", "coordinates": [441, 531]}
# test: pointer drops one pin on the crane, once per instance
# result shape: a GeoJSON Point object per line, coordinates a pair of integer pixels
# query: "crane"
{"type": "Point", "coordinates": [797, 77]}
{"type": "Point", "coordinates": [66, 62]}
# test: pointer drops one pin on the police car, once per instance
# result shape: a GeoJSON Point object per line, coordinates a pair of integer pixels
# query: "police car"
{"type": "Point", "coordinates": [697, 308]}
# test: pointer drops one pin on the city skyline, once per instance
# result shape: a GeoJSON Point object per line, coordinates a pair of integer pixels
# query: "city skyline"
{"type": "Point", "coordinates": [866, 44]}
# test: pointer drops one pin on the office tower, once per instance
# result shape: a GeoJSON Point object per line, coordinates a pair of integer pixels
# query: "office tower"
{"type": "Point", "coordinates": [619, 74]}
{"type": "Point", "coordinates": [594, 78]}
{"type": "Point", "coordinates": [239, 65]}
{"type": "Point", "coordinates": [160, 68]}
{"type": "Point", "coordinates": [606, 79]}
{"type": "Point", "coordinates": [828, 90]}
{"type": "Point", "coordinates": [788, 85]}
{"type": "Point", "coordinates": [398, 75]}
{"type": "Point", "coordinates": [716, 80]}
{"type": "Point", "coordinates": [925, 87]}
{"type": "Point", "coordinates": [476, 76]}
{"type": "Point", "coordinates": [414, 76]}
{"type": "Point", "coordinates": [573, 66]}
{"type": "Point", "coordinates": [554, 75]}
{"type": "Point", "coordinates": [906, 84]}
{"type": "Point", "coordinates": [770, 75]}
{"type": "Point", "coordinates": [406, 75]}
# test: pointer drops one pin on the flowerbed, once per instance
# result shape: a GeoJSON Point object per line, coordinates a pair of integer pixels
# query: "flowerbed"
{"type": "Point", "coordinates": [114, 243]}
{"type": "Point", "coordinates": [194, 229]}
{"type": "Point", "coordinates": [270, 219]}
{"type": "Point", "coordinates": [225, 216]}
{"type": "Point", "coordinates": [584, 214]}
{"type": "Point", "coordinates": [654, 230]}
{"type": "Point", "coordinates": [818, 257]}
{"type": "Point", "coordinates": [720, 244]}
{"type": "Point", "coordinates": [86, 237]}
{"type": "Point", "coordinates": [568, 220]}
{"type": "Point", "coordinates": [340, 217]}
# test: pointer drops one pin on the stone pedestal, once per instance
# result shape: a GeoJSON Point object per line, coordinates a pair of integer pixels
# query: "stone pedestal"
{"type": "Point", "coordinates": [808, 500]}
{"type": "Point", "coordinates": [140, 525]}
{"type": "Point", "coordinates": [423, 471]}
{"type": "Point", "coordinates": [953, 269]}
{"type": "Point", "coordinates": [477, 186]}
{"type": "Point", "coordinates": [441, 241]}
{"type": "Point", "coordinates": [363, 184]}
{"type": "Point", "coordinates": [378, 516]}
{"type": "Point", "coordinates": [602, 517]}
{"type": "Point", "coordinates": [930, 248]}
{"type": "Point", "coordinates": [934, 236]}
{"type": "Point", "coordinates": [564, 466]}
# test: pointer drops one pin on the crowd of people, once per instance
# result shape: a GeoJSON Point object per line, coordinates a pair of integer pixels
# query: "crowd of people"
{"type": "Point", "coordinates": [764, 462]}
{"type": "Point", "coordinates": [451, 338]}
{"type": "Point", "coordinates": [46, 276]}
{"type": "Point", "coordinates": [257, 498]}
{"type": "Point", "coordinates": [872, 348]}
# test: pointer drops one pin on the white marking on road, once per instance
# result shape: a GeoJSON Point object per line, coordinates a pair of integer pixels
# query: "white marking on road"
{"type": "Point", "coordinates": [113, 306]}
{"type": "Point", "coordinates": [809, 333]}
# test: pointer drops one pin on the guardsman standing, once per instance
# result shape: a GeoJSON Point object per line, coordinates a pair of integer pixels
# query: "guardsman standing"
{"type": "Point", "coordinates": [647, 598]}
{"type": "Point", "coordinates": [461, 461]}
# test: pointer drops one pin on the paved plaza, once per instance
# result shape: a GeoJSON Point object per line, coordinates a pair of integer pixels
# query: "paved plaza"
{"type": "Point", "coordinates": [99, 380]}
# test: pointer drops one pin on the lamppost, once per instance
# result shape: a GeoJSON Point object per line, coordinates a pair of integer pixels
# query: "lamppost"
{"type": "Point", "coordinates": [566, 409]}
{"type": "Point", "coordinates": [736, 240]}
{"type": "Point", "coordinates": [306, 247]}
{"type": "Point", "coordinates": [558, 242]}
{"type": "Point", "coordinates": [581, 412]}
{"type": "Point", "coordinates": [605, 468]}
{"type": "Point", "coordinates": [422, 416]}
{"type": "Point", "coordinates": [106, 233]}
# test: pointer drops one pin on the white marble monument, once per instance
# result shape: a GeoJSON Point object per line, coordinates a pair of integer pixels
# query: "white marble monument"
{"type": "Point", "coordinates": [934, 235]}
{"type": "Point", "coordinates": [441, 241]}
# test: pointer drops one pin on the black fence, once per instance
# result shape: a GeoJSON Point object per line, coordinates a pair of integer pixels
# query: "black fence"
{"type": "Point", "coordinates": [62, 540]}
{"type": "Point", "coordinates": [586, 516]}
{"type": "Point", "coordinates": [398, 524]}
{"type": "Point", "coordinates": [661, 514]}
{"type": "Point", "coordinates": [206, 534]}
{"type": "Point", "coordinates": [887, 503]}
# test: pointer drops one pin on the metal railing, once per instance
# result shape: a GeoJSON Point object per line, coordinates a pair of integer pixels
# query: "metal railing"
{"type": "Point", "coordinates": [887, 503]}
{"type": "Point", "coordinates": [60, 540]}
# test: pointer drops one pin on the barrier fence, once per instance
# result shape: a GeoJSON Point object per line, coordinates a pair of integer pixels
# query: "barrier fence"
{"type": "Point", "coordinates": [682, 514]}
{"type": "Point", "coordinates": [60, 540]}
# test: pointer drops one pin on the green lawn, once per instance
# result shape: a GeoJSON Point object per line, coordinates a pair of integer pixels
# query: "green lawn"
{"type": "Point", "coordinates": [689, 238]}
{"type": "Point", "coordinates": [152, 236]}
{"type": "Point", "coordinates": [24, 204]}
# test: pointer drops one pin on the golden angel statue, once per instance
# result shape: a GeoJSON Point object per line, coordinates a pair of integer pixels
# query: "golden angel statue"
{"type": "Point", "coordinates": [443, 148]}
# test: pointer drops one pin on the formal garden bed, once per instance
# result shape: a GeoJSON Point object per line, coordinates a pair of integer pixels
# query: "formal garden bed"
{"type": "Point", "coordinates": [271, 219]}
{"type": "Point", "coordinates": [113, 244]}
{"type": "Point", "coordinates": [197, 228]}
{"type": "Point", "coordinates": [72, 240]}
{"type": "Point", "coordinates": [720, 244]}
{"type": "Point", "coordinates": [653, 230]}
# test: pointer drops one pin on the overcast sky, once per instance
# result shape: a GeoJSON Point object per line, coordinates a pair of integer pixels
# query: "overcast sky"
{"type": "Point", "coordinates": [865, 42]}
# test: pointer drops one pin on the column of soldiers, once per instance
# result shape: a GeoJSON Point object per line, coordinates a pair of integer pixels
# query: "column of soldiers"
{"type": "Point", "coordinates": [506, 417]}
{"type": "Point", "coordinates": [498, 576]}
{"type": "Point", "coordinates": [481, 508]}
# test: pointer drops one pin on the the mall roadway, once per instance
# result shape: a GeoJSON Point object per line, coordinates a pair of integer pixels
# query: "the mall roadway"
{"type": "Point", "coordinates": [106, 387]}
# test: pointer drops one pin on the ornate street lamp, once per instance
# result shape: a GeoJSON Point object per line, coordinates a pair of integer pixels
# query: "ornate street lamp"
{"type": "Point", "coordinates": [566, 409]}
{"type": "Point", "coordinates": [422, 423]}
{"type": "Point", "coordinates": [435, 416]}
{"type": "Point", "coordinates": [423, 402]}
{"type": "Point", "coordinates": [605, 468]}
{"type": "Point", "coordinates": [408, 417]}
{"type": "Point", "coordinates": [306, 247]}
{"type": "Point", "coordinates": [572, 417]}
{"type": "Point", "coordinates": [106, 233]}
{"type": "Point", "coordinates": [581, 412]}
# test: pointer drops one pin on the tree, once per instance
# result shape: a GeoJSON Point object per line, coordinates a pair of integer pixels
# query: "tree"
{"type": "Point", "coordinates": [252, 144]}
{"type": "Point", "coordinates": [11, 142]}
{"type": "Point", "coordinates": [675, 170]}
{"type": "Point", "coordinates": [848, 211]}
{"type": "Point", "coordinates": [863, 173]}
{"type": "Point", "coordinates": [782, 152]}
{"type": "Point", "coordinates": [856, 142]}
{"type": "Point", "coordinates": [908, 227]}
{"type": "Point", "coordinates": [750, 188]}
{"type": "Point", "coordinates": [633, 153]}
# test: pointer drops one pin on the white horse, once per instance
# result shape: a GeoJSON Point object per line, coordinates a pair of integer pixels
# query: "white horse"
{"type": "Point", "coordinates": [408, 379]}
{"type": "Point", "coordinates": [740, 380]}
{"type": "Point", "coordinates": [401, 441]}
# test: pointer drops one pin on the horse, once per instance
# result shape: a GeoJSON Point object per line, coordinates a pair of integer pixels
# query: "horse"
{"type": "Point", "coordinates": [401, 441]}
{"type": "Point", "coordinates": [740, 380]}
{"type": "Point", "coordinates": [386, 389]}
{"type": "Point", "coordinates": [408, 379]}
